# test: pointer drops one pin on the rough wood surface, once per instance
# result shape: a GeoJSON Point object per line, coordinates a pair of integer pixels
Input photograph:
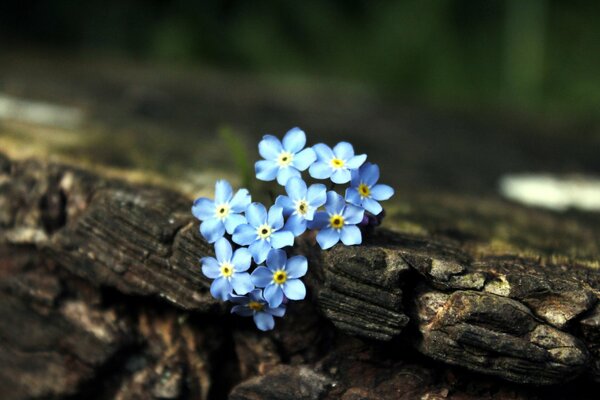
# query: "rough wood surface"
{"type": "Point", "coordinates": [102, 297]}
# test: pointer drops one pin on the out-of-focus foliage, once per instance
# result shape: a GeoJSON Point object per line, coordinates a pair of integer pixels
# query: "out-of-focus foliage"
{"type": "Point", "coordinates": [542, 55]}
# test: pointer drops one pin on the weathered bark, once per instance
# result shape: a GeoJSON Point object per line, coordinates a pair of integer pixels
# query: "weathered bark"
{"type": "Point", "coordinates": [102, 297]}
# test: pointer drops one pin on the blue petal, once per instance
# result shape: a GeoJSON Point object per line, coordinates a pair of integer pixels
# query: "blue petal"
{"type": "Point", "coordinates": [264, 321]}
{"type": "Point", "coordinates": [304, 159]}
{"type": "Point", "coordinates": [335, 203]}
{"type": "Point", "coordinates": [259, 250]}
{"type": "Point", "coordinates": [274, 295]}
{"type": "Point", "coordinates": [244, 235]}
{"type": "Point", "coordinates": [286, 174]}
{"type": "Point", "coordinates": [223, 192]}
{"type": "Point", "coordinates": [266, 170]}
{"type": "Point", "coordinates": [381, 192]}
{"type": "Point", "coordinates": [241, 282]}
{"type": "Point", "coordinates": [351, 235]}
{"type": "Point", "coordinates": [269, 147]}
{"type": "Point", "coordinates": [276, 259]}
{"type": "Point", "coordinates": [353, 214]}
{"type": "Point", "coordinates": [327, 238]}
{"type": "Point", "coordinates": [282, 239]}
{"type": "Point", "coordinates": [295, 224]}
{"type": "Point", "coordinates": [286, 203]}
{"type": "Point", "coordinates": [212, 229]}
{"type": "Point", "coordinates": [241, 259]}
{"type": "Point", "coordinates": [242, 310]}
{"type": "Point", "coordinates": [353, 197]}
{"type": "Point", "coordinates": [261, 277]}
{"type": "Point", "coordinates": [223, 250]}
{"type": "Point", "coordinates": [275, 217]}
{"type": "Point", "coordinates": [256, 214]}
{"type": "Point", "coordinates": [241, 299]}
{"type": "Point", "coordinates": [233, 221]}
{"type": "Point", "coordinates": [296, 267]}
{"type": "Point", "coordinates": [343, 151]}
{"type": "Point", "coordinates": [296, 189]}
{"type": "Point", "coordinates": [240, 201]}
{"type": "Point", "coordinates": [341, 176]}
{"type": "Point", "coordinates": [320, 221]}
{"type": "Point", "coordinates": [316, 195]}
{"type": "Point", "coordinates": [324, 152]}
{"type": "Point", "coordinates": [210, 267]}
{"type": "Point", "coordinates": [355, 178]}
{"type": "Point", "coordinates": [220, 288]}
{"type": "Point", "coordinates": [369, 174]}
{"type": "Point", "coordinates": [356, 161]}
{"type": "Point", "coordinates": [294, 140]}
{"type": "Point", "coordinates": [277, 311]}
{"type": "Point", "coordinates": [256, 294]}
{"type": "Point", "coordinates": [320, 170]}
{"type": "Point", "coordinates": [372, 206]}
{"type": "Point", "coordinates": [203, 208]}
{"type": "Point", "coordinates": [294, 289]}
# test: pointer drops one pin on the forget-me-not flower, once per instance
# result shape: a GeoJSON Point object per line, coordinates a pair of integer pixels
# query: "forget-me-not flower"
{"type": "Point", "coordinates": [255, 305]}
{"type": "Point", "coordinates": [281, 276]}
{"type": "Point", "coordinates": [338, 221]}
{"type": "Point", "coordinates": [337, 163]}
{"type": "Point", "coordinates": [301, 203]}
{"type": "Point", "coordinates": [222, 214]}
{"type": "Point", "coordinates": [365, 192]}
{"type": "Point", "coordinates": [283, 160]}
{"type": "Point", "coordinates": [228, 270]}
{"type": "Point", "coordinates": [263, 231]}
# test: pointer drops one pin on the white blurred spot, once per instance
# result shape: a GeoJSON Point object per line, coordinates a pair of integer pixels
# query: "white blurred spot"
{"type": "Point", "coordinates": [37, 112]}
{"type": "Point", "coordinates": [551, 191]}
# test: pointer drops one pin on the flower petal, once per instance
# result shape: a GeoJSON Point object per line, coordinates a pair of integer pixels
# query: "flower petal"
{"type": "Point", "coordinates": [277, 311]}
{"type": "Point", "coordinates": [240, 201]}
{"type": "Point", "coordinates": [256, 294]}
{"type": "Point", "coordinates": [324, 152]}
{"type": "Point", "coordinates": [269, 147]}
{"type": "Point", "coordinates": [320, 221]}
{"type": "Point", "coordinates": [286, 174]}
{"type": "Point", "coordinates": [276, 259]}
{"type": "Point", "coordinates": [295, 224]}
{"type": "Point", "coordinates": [282, 239]}
{"type": "Point", "coordinates": [294, 140]}
{"type": "Point", "coordinates": [335, 203]}
{"type": "Point", "coordinates": [294, 289]}
{"type": "Point", "coordinates": [242, 310]}
{"type": "Point", "coordinates": [316, 195]}
{"type": "Point", "coordinates": [273, 295]}
{"type": "Point", "coordinates": [203, 208]}
{"type": "Point", "coordinates": [244, 234]}
{"type": "Point", "coordinates": [355, 178]}
{"type": "Point", "coordinates": [241, 260]}
{"type": "Point", "coordinates": [212, 229]}
{"type": "Point", "coordinates": [256, 214]}
{"type": "Point", "coordinates": [264, 321]}
{"type": "Point", "coordinates": [241, 282]}
{"type": "Point", "coordinates": [296, 267]}
{"type": "Point", "coordinates": [371, 206]}
{"type": "Point", "coordinates": [369, 174]}
{"type": "Point", "coordinates": [223, 192]}
{"type": "Point", "coordinates": [210, 267]}
{"type": "Point", "coordinates": [220, 288]}
{"type": "Point", "coordinates": [327, 238]}
{"type": "Point", "coordinates": [341, 176]}
{"type": "Point", "coordinates": [233, 221]}
{"type": "Point", "coordinates": [356, 161]}
{"type": "Point", "coordinates": [320, 170]}
{"type": "Point", "coordinates": [275, 217]}
{"type": "Point", "coordinates": [223, 250]}
{"type": "Point", "coordinates": [343, 150]}
{"type": "Point", "coordinates": [381, 192]}
{"type": "Point", "coordinates": [286, 204]}
{"type": "Point", "coordinates": [259, 250]}
{"type": "Point", "coordinates": [261, 277]}
{"type": "Point", "coordinates": [266, 170]}
{"type": "Point", "coordinates": [304, 159]}
{"type": "Point", "coordinates": [353, 197]}
{"type": "Point", "coordinates": [353, 214]}
{"type": "Point", "coordinates": [296, 189]}
{"type": "Point", "coordinates": [351, 235]}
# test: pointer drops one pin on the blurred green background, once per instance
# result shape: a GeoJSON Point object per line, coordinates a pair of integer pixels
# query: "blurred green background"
{"type": "Point", "coordinates": [537, 56]}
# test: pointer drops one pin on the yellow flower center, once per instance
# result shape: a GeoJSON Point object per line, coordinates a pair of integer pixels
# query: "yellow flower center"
{"type": "Point", "coordinates": [279, 277]}
{"type": "Point", "coordinates": [285, 158]}
{"type": "Point", "coordinates": [264, 231]}
{"type": "Point", "coordinates": [336, 163]}
{"type": "Point", "coordinates": [226, 270]}
{"type": "Point", "coordinates": [222, 211]}
{"type": "Point", "coordinates": [364, 190]}
{"type": "Point", "coordinates": [301, 207]}
{"type": "Point", "coordinates": [256, 306]}
{"type": "Point", "coordinates": [336, 221]}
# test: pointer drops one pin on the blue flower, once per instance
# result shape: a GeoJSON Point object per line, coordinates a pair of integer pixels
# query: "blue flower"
{"type": "Point", "coordinates": [223, 213]}
{"type": "Point", "coordinates": [337, 163]}
{"type": "Point", "coordinates": [254, 304]}
{"type": "Point", "coordinates": [281, 276]}
{"type": "Point", "coordinates": [263, 231]}
{"type": "Point", "coordinates": [300, 204]}
{"type": "Point", "coordinates": [337, 222]}
{"type": "Point", "coordinates": [283, 161]}
{"type": "Point", "coordinates": [228, 270]}
{"type": "Point", "coordinates": [365, 192]}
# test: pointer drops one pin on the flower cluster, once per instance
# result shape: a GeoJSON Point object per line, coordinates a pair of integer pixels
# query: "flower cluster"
{"type": "Point", "coordinates": [258, 277]}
